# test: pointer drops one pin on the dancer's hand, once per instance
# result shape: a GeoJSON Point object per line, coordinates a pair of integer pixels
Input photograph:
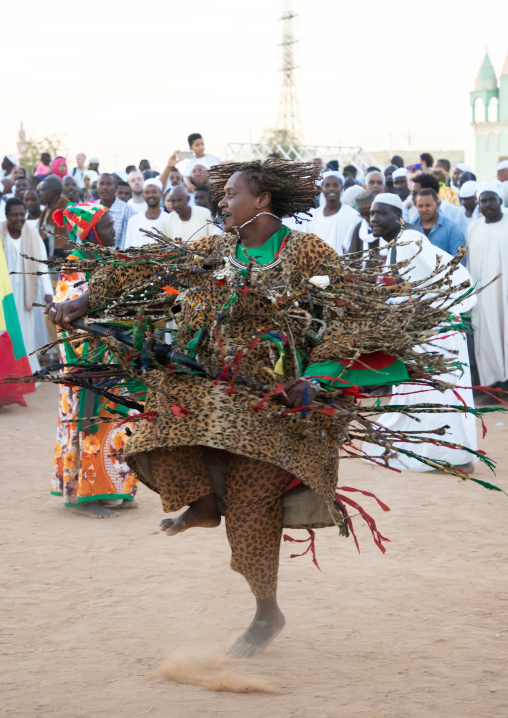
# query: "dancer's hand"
{"type": "Point", "coordinates": [294, 393]}
{"type": "Point", "coordinates": [64, 313]}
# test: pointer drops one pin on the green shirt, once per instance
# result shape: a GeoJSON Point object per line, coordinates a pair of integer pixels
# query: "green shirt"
{"type": "Point", "coordinates": [266, 252]}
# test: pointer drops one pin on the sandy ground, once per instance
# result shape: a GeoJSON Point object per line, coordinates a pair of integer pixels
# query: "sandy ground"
{"type": "Point", "coordinates": [91, 608]}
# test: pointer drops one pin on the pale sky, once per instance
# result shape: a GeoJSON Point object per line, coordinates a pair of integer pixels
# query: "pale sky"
{"type": "Point", "coordinates": [132, 80]}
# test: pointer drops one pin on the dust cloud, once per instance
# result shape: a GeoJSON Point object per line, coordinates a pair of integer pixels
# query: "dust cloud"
{"type": "Point", "coordinates": [212, 671]}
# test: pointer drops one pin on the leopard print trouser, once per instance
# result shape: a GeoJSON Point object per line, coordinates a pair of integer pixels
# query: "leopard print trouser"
{"type": "Point", "coordinates": [253, 506]}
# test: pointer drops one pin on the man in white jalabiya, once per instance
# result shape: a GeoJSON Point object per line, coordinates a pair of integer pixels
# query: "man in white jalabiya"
{"type": "Point", "coordinates": [185, 222]}
{"type": "Point", "coordinates": [468, 201]}
{"type": "Point", "coordinates": [20, 237]}
{"type": "Point", "coordinates": [137, 201]}
{"type": "Point", "coordinates": [487, 242]}
{"type": "Point", "coordinates": [414, 247]}
{"type": "Point", "coordinates": [401, 187]}
{"type": "Point", "coordinates": [502, 176]}
{"type": "Point", "coordinates": [334, 221]}
{"type": "Point", "coordinates": [362, 238]}
{"type": "Point", "coordinates": [151, 219]}
{"type": "Point", "coordinates": [351, 193]}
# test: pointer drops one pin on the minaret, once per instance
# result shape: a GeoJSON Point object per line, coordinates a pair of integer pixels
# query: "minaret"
{"type": "Point", "coordinates": [485, 88]}
{"type": "Point", "coordinates": [21, 141]}
{"type": "Point", "coordinates": [491, 138]}
{"type": "Point", "coordinates": [503, 93]}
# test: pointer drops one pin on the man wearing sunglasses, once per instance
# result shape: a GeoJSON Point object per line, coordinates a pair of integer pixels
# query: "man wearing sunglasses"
{"type": "Point", "coordinates": [413, 171]}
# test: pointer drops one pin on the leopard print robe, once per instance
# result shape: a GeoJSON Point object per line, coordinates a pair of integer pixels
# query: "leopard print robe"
{"type": "Point", "coordinates": [307, 448]}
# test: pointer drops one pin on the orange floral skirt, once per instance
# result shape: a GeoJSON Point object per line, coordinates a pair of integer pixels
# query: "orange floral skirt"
{"type": "Point", "coordinates": [88, 465]}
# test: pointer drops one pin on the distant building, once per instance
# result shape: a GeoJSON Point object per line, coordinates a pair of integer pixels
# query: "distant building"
{"type": "Point", "coordinates": [489, 102]}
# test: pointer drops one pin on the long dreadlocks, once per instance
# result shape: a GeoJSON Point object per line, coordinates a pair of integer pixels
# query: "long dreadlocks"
{"type": "Point", "coordinates": [291, 184]}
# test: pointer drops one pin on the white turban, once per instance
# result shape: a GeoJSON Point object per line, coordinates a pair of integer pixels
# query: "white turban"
{"type": "Point", "coordinates": [503, 165]}
{"type": "Point", "coordinates": [491, 187]}
{"type": "Point", "coordinates": [332, 173]}
{"type": "Point", "coordinates": [351, 193]}
{"type": "Point", "coordinates": [155, 181]}
{"type": "Point", "coordinates": [468, 189]}
{"type": "Point", "coordinates": [463, 167]}
{"type": "Point", "coordinates": [400, 172]}
{"type": "Point", "coordinates": [388, 198]}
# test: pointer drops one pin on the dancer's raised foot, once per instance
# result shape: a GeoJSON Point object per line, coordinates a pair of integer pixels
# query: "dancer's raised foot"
{"type": "Point", "coordinates": [203, 513]}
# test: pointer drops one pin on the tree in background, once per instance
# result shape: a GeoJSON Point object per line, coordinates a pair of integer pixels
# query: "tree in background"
{"type": "Point", "coordinates": [36, 146]}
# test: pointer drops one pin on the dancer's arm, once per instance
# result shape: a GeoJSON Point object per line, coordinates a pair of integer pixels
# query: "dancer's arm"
{"type": "Point", "coordinates": [108, 282]}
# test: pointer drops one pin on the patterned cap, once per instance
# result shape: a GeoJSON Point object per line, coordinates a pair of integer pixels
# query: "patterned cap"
{"type": "Point", "coordinates": [80, 219]}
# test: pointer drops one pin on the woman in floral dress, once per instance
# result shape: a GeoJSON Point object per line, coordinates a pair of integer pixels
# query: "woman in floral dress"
{"type": "Point", "coordinates": [88, 469]}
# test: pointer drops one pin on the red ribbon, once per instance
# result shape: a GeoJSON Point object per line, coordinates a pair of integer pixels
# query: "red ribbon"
{"type": "Point", "coordinates": [278, 390]}
{"type": "Point", "coordinates": [456, 393]}
{"type": "Point", "coordinates": [148, 415]}
{"type": "Point", "coordinates": [365, 493]}
{"type": "Point", "coordinates": [179, 410]}
{"type": "Point", "coordinates": [294, 482]}
{"type": "Point", "coordinates": [311, 547]}
{"type": "Point", "coordinates": [284, 242]}
{"type": "Point", "coordinates": [376, 535]}
{"type": "Point", "coordinates": [236, 363]}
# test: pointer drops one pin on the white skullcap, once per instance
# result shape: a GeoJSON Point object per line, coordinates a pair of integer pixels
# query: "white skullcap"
{"type": "Point", "coordinates": [468, 189]}
{"type": "Point", "coordinates": [333, 173]}
{"type": "Point", "coordinates": [155, 181]}
{"type": "Point", "coordinates": [463, 167]}
{"type": "Point", "coordinates": [400, 172]}
{"type": "Point", "coordinates": [330, 173]}
{"type": "Point", "coordinates": [351, 193]}
{"type": "Point", "coordinates": [503, 165]}
{"type": "Point", "coordinates": [93, 161]}
{"type": "Point", "coordinates": [388, 198]}
{"type": "Point", "coordinates": [121, 175]}
{"type": "Point", "coordinates": [12, 158]}
{"type": "Point", "coordinates": [491, 187]}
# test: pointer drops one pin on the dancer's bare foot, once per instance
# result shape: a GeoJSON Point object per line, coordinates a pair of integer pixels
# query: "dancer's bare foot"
{"type": "Point", "coordinates": [93, 510]}
{"type": "Point", "coordinates": [267, 624]}
{"type": "Point", "coordinates": [202, 513]}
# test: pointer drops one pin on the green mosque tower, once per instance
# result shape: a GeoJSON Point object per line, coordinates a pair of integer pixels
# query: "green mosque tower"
{"type": "Point", "coordinates": [489, 102]}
